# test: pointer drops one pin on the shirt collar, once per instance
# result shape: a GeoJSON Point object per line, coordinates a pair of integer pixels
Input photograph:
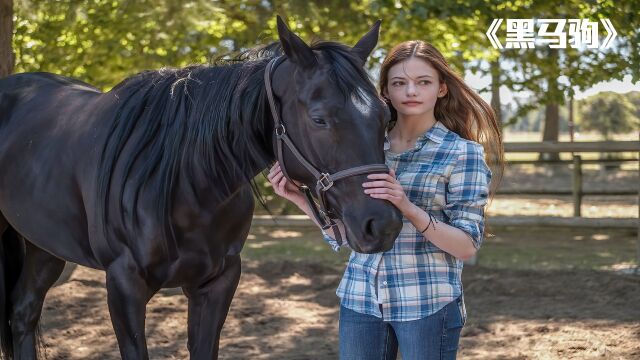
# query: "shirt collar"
{"type": "Point", "coordinates": [436, 134]}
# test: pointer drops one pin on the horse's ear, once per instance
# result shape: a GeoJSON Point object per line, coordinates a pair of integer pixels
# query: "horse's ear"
{"type": "Point", "coordinates": [365, 46]}
{"type": "Point", "coordinates": [295, 49]}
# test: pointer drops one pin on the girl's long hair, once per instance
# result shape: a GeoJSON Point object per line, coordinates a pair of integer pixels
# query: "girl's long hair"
{"type": "Point", "coordinates": [461, 110]}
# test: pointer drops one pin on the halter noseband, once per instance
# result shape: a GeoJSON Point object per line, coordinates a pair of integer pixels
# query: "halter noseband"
{"type": "Point", "coordinates": [324, 181]}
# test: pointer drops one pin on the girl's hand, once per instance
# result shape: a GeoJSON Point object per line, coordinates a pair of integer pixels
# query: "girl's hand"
{"type": "Point", "coordinates": [385, 186]}
{"type": "Point", "coordinates": [282, 186]}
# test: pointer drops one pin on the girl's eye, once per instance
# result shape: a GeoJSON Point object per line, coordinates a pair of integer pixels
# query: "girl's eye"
{"type": "Point", "coordinates": [397, 83]}
{"type": "Point", "coordinates": [425, 82]}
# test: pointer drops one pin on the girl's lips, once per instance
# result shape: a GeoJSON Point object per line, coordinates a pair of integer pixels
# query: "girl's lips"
{"type": "Point", "coordinates": [411, 103]}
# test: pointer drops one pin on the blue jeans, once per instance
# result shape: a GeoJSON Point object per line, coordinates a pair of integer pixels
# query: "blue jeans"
{"type": "Point", "coordinates": [366, 337]}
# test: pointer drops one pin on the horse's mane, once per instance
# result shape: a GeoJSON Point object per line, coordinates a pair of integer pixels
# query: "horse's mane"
{"type": "Point", "coordinates": [210, 121]}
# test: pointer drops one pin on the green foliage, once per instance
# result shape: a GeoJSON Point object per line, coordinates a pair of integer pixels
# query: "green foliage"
{"type": "Point", "coordinates": [104, 41]}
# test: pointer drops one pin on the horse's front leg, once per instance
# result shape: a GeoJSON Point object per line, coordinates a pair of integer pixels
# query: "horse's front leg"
{"type": "Point", "coordinates": [127, 296]}
{"type": "Point", "coordinates": [208, 308]}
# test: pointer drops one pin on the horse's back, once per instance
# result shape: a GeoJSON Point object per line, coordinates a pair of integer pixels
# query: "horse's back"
{"type": "Point", "coordinates": [22, 80]}
{"type": "Point", "coordinates": [46, 146]}
{"type": "Point", "coordinates": [40, 94]}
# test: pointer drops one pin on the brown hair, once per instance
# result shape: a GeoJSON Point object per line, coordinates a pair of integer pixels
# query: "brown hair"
{"type": "Point", "coordinates": [461, 110]}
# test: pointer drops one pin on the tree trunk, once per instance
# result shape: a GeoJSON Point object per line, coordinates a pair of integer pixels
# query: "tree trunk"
{"type": "Point", "coordinates": [6, 36]}
{"type": "Point", "coordinates": [552, 109]}
{"type": "Point", "coordinates": [571, 123]}
{"type": "Point", "coordinates": [495, 90]}
{"type": "Point", "coordinates": [551, 129]}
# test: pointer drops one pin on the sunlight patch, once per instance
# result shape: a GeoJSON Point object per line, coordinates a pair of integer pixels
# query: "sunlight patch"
{"type": "Point", "coordinates": [284, 234]}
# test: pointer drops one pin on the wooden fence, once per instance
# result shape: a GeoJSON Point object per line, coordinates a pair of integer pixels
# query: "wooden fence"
{"type": "Point", "coordinates": [575, 148]}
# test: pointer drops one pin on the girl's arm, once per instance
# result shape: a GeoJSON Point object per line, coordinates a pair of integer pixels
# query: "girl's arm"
{"type": "Point", "coordinates": [446, 237]}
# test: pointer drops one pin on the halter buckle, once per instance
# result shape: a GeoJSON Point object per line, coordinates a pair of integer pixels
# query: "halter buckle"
{"type": "Point", "coordinates": [282, 130]}
{"type": "Point", "coordinates": [324, 182]}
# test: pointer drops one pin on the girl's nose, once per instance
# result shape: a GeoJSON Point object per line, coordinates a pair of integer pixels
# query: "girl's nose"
{"type": "Point", "coordinates": [411, 89]}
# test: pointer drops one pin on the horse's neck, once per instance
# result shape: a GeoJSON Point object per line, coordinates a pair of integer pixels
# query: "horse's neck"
{"type": "Point", "coordinates": [225, 183]}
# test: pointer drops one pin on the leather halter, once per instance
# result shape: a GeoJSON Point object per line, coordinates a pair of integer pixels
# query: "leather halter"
{"type": "Point", "coordinates": [324, 181]}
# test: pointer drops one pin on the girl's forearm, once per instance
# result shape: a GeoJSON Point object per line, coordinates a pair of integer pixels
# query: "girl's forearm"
{"type": "Point", "coordinates": [446, 237]}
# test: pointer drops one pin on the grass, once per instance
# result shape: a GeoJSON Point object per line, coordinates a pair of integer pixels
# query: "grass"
{"type": "Point", "coordinates": [512, 248]}
{"type": "Point", "coordinates": [301, 244]}
{"type": "Point", "coordinates": [559, 248]}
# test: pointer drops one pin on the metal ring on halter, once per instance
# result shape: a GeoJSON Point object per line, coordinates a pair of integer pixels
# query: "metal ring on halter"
{"type": "Point", "coordinates": [281, 128]}
{"type": "Point", "coordinates": [325, 182]}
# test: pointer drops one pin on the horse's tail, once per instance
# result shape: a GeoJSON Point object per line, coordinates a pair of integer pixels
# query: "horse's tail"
{"type": "Point", "coordinates": [11, 260]}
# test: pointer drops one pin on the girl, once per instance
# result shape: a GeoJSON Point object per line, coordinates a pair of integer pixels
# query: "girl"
{"type": "Point", "coordinates": [410, 298]}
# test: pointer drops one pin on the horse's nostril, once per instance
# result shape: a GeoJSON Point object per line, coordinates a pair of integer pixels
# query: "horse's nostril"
{"type": "Point", "coordinates": [368, 227]}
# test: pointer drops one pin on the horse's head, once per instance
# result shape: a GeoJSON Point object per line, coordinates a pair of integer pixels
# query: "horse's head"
{"type": "Point", "coordinates": [336, 120]}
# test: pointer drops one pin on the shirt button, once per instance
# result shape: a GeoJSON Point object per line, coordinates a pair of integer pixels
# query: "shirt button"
{"type": "Point", "coordinates": [384, 282]}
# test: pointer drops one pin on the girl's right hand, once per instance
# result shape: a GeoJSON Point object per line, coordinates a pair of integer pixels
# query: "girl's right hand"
{"type": "Point", "coordinates": [282, 186]}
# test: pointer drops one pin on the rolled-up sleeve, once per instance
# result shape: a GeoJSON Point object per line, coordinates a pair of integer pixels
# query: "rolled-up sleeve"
{"type": "Point", "coordinates": [333, 242]}
{"type": "Point", "coordinates": [468, 191]}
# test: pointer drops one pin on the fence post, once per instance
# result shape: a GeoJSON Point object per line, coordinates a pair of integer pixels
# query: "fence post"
{"type": "Point", "coordinates": [577, 185]}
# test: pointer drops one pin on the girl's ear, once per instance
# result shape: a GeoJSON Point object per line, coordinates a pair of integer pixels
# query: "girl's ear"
{"type": "Point", "coordinates": [443, 90]}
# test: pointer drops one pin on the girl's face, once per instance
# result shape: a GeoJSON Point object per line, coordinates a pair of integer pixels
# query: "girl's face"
{"type": "Point", "coordinates": [413, 86]}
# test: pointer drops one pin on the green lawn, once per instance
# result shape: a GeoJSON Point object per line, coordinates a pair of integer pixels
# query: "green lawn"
{"type": "Point", "coordinates": [514, 248]}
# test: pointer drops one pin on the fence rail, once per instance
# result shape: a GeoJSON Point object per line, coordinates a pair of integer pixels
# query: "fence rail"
{"type": "Point", "coordinates": [582, 146]}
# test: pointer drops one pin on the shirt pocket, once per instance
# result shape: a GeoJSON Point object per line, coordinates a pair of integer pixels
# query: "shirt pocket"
{"type": "Point", "coordinates": [422, 183]}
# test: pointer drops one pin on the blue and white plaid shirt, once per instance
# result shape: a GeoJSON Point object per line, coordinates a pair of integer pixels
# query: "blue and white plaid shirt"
{"type": "Point", "coordinates": [447, 176]}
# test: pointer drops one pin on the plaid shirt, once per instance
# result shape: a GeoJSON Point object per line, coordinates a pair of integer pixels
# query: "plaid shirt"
{"type": "Point", "coordinates": [447, 176]}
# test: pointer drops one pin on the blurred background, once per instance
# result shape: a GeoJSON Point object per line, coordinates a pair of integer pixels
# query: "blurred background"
{"type": "Point", "coordinates": [557, 277]}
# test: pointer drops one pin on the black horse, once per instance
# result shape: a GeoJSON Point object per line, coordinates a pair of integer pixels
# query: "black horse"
{"type": "Point", "coordinates": [151, 181]}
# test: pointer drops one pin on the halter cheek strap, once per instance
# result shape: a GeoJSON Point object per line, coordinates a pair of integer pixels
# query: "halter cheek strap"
{"type": "Point", "coordinates": [324, 181]}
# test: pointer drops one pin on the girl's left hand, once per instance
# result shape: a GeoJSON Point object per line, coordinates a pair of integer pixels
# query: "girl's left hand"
{"type": "Point", "coordinates": [388, 188]}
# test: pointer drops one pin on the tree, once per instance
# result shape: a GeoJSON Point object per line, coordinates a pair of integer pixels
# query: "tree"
{"type": "Point", "coordinates": [102, 42]}
{"type": "Point", "coordinates": [6, 31]}
{"type": "Point", "coordinates": [553, 75]}
{"type": "Point", "coordinates": [608, 113]}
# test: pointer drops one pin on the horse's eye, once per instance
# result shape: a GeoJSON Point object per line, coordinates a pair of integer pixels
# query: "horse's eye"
{"type": "Point", "coordinates": [319, 120]}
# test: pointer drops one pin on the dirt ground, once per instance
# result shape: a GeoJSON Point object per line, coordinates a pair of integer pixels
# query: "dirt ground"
{"type": "Point", "coordinates": [536, 293]}
{"type": "Point", "coordinates": [286, 309]}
